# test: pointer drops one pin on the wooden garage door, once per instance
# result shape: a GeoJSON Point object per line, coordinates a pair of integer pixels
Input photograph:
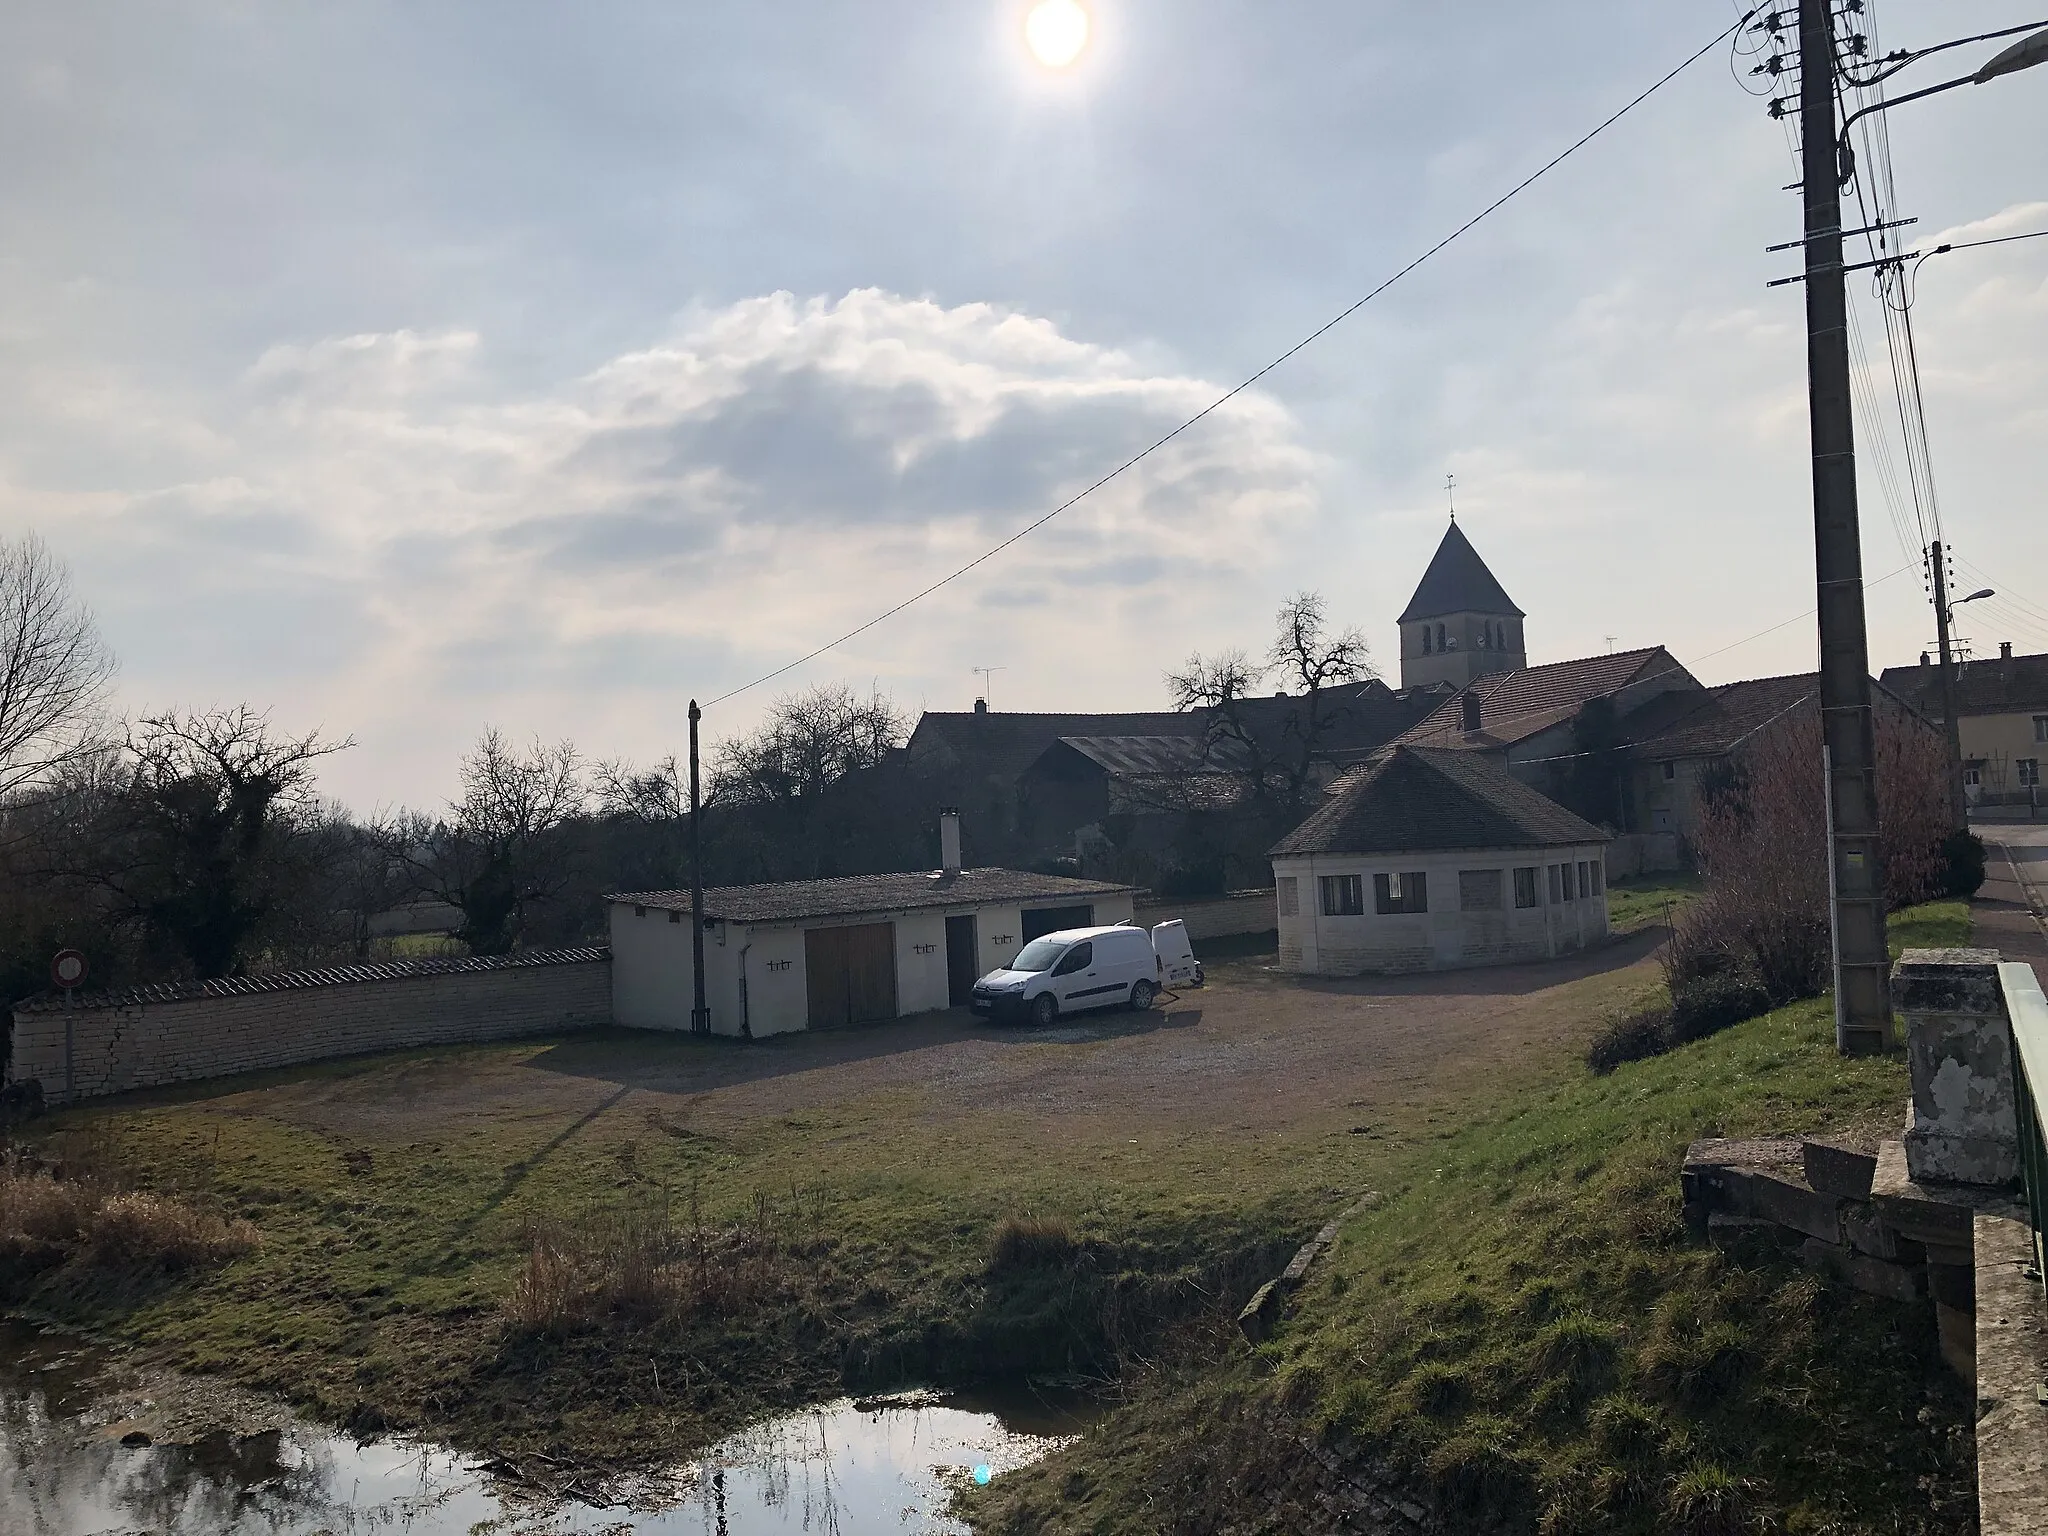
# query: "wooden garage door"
{"type": "Point", "coordinates": [850, 974]}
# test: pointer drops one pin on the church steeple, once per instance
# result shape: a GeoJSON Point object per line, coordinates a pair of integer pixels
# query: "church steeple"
{"type": "Point", "coordinates": [1461, 623]}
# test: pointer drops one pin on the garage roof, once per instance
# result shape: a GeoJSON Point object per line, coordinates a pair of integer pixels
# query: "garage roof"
{"type": "Point", "coordinates": [792, 900]}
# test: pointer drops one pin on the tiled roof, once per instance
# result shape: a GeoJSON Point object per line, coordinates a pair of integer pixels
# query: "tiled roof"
{"type": "Point", "coordinates": [1997, 685]}
{"type": "Point", "coordinates": [1423, 800]}
{"type": "Point", "coordinates": [324, 976]}
{"type": "Point", "coordinates": [1516, 705]}
{"type": "Point", "coordinates": [1142, 756]}
{"type": "Point", "coordinates": [1457, 581]}
{"type": "Point", "coordinates": [967, 747]}
{"type": "Point", "coordinates": [791, 900]}
{"type": "Point", "coordinates": [1715, 721]}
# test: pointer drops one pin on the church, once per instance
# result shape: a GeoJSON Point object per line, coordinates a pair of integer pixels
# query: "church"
{"type": "Point", "coordinates": [1461, 623]}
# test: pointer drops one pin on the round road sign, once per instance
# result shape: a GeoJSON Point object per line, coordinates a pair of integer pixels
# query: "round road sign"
{"type": "Point", "coordinates": [67, 968]}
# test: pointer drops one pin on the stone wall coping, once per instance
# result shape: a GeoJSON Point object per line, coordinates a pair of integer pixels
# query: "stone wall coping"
{"type": "Point", "coordinates": [2012, 1360]}
{"type": "Point", "coordinates": [323, 976]}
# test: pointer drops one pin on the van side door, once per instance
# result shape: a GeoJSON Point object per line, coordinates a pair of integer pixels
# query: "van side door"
{"type": "Point", "coordinates": [1074, 980]}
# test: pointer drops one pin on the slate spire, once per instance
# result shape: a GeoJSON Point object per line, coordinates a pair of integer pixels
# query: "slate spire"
{"type": "Point", "coordinates": [1458, 581]}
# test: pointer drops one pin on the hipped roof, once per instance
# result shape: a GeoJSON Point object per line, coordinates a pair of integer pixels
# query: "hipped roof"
{"type": "Point", "coordinates": [1427, 800]}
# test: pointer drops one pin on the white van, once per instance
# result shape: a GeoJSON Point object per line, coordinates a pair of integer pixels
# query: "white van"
{"type": "Point", "coordinates": [1178, 966]}
{"type": "Point", "coordinates": [1071, 971]}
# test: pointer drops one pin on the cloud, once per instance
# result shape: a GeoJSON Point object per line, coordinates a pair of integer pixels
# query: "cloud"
{"type": "Point", "coordinates": [439, 552]}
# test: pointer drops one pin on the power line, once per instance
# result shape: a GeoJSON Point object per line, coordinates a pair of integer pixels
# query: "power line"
{"type": "Point", "coordinates": [1135, 459]}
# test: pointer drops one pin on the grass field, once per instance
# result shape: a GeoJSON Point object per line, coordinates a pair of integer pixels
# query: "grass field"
{"type": "Point", "coordinates": [724, 1230]}
{"type": "Point", "coordinates": [1643, 900]}
{"type": "Point", "coordinates": [1521, 1322]}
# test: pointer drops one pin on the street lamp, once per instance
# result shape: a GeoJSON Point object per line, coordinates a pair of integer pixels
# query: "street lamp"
{"type": "Point", "coordinates": [2024, 54]}
{"type": "Point", "coordinates": [1980, 592]}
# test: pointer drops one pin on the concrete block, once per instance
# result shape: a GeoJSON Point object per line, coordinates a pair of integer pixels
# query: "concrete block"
{"type": "Point", "coordinates": [1874, 1277]}
{"type": "Point", "coordinates": [1838, 1170]}
{"type": "Point", "coordinates": [2011, 1358]}
{"type": "Point", "coordinates": [1959, 1051]}
{"type": "Point", "coordinates": [1868, 1233]}
{"type": "Point", "coordinates": [1794, 1205]}
{"type": "Point", "coordinates": [1935, 1215]}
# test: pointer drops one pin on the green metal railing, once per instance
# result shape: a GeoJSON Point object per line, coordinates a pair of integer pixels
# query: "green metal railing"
{"type": "Point", "coordinates": [2028, 1010]}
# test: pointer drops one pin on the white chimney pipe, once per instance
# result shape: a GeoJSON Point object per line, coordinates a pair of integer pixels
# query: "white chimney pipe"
{"type": "Point", "coordinates": [949, 840]}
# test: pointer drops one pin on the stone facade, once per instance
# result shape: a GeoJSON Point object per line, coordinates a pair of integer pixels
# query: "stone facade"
{"type": "Point", "coordinates": [160, 1035]}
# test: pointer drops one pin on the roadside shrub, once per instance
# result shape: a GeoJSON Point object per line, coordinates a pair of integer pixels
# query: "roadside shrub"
{"type": "Point", "coordinates": [1962, 852]}
{"type": "Point", "coordinates": [1031, 1242]}
{"type": "Point", "coordinates": [1705, 1005]}
{"type": "Point", "coordinates": [47, 1221]}
{"type": "Point", "coordinates": [1633, 1036]}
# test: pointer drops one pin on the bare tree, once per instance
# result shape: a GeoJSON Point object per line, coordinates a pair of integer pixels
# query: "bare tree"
{"type": "Point", "coordinates": [54, 670]}
{"type": "Point", "coordinates": [507, 846]}
{"type": "Point", "coordinates": [199, 820]}
{"type": "Point", "coordinates": [1282, 752]}
{"type": "Point", "coordinates": [808, 742]}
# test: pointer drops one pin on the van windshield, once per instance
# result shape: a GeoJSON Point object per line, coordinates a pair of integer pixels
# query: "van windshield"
{"type": "Point", "coordinates": [1039, 954]}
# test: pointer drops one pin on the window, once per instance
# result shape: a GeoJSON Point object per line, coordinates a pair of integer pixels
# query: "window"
{"type": "Point", "coordinates": [2030, 771]}
{"type": "Point", "coordinates": [2041, 727]}
{"type": "Point", "coordinates": [1525, 886]}
{"type": "Point", "coordinates": [1440, 637]}
{"type": "Point", "coordinates": [1079, 958]}
{"type": "Point", "coordinates": [1670, 772]}
{"type": "Point", "coordinates": [1478, 890]}
{"type": "Point", "coordinates": [1556, 892]}
{"type": "Point", "coordinates": [1401, 893]}
{"type": "Point", "coordinates": [1973, 776]}
{"type": "Point", "coordinates": [1485, 637]}
{"type": "Point", "coordinates": [1343, 896]}
{"type": "Point", "coordinates": [1599, 868]}
{"type": "Point", "coordinates": [675, 917]}
{"type": "Point", "coordinates": [1425, 639]}
{"type": "Point", "coordinates": [1287, 890]}
{"type": "Point", "coordinates": [1585, 881]}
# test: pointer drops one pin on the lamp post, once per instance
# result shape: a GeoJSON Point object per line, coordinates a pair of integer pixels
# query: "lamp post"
{"type": "Point", "coordinates": [1863, 1012]}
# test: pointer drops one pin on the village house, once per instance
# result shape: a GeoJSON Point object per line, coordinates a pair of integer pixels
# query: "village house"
{"type": "Point", "coordinates": [814, 954]}
{"type": "Point", "coordinates": [2001, 718]}
{"type": "Point", "coordinates": [1427, 859]}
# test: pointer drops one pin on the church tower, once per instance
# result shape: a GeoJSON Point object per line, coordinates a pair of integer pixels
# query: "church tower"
{"type": "Point", "coordinates": [1460, 624]}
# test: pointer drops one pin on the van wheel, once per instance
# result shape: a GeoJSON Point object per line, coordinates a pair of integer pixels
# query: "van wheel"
{"type": "Point", "coordinates": [1045, 1008]}
{"type": "Point", "coordinates": [1142, 993]}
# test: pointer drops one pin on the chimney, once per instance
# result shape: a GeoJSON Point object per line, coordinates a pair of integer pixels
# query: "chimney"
{"type": "Point", "coordinates": [981, 706]}
{"type": "Point", "coordinates": [949, 840]}
{"type": "Point", "coordinates": [1923, 659]}
{"type": "Point", "coordinates": [2005, 663]}
{"type": "Point", "coordinates": [1468, 712]}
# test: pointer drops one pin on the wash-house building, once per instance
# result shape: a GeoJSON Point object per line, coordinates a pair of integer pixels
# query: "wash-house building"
{"type": "Point", "coordinates": [1430, 859]}
{"type": "Point", "coordinates": [813, 954]}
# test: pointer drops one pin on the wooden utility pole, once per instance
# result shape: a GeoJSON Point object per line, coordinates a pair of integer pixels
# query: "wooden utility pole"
{"type": "Point", "coordinates": [700, 1013]}
{"type": "Point", "coordinates": [1863, 1010]}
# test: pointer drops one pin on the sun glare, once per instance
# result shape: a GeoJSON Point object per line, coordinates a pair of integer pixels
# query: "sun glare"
{"type": "Point", "coordinates": [1057, 31]}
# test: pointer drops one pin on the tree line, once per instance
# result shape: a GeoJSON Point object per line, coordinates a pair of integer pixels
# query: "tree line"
{"type": "Point", "coordinates": [197, 844]}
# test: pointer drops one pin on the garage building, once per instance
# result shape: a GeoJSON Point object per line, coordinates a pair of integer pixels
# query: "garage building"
{"type": "Point", "coordinates": [813, 954]}
{"type": "Point", "coordinates": [1430, 859]}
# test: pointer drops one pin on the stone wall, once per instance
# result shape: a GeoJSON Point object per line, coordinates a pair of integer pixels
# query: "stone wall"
{"type": "Point", "coordinates": [157, 1035]}
{"type": "Point", "coordinates": [1213, 917]}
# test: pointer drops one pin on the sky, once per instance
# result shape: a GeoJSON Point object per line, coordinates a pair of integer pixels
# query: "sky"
{"type": "Point", "coordinates": [407, 370]}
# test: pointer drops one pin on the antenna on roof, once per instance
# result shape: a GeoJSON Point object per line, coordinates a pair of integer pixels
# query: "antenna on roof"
{"type": "Point", "coordinates": [988, 678]}
{"type": "Point", "coordinates": [1451, 494]}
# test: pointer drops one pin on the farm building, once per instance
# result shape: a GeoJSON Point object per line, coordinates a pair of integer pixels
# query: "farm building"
{"type": "Point", "coordinates": [1428, 859]}
{"type": "Point", "coordinates": [810, 954]}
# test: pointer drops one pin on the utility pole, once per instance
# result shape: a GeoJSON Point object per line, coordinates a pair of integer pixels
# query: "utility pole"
{"type": "Point", "coordinates": [1951, 732]}
{"type": "Point", "coordinates": [700, 1014]}
{"type": "Point", "coordinates": [1863, 1010]}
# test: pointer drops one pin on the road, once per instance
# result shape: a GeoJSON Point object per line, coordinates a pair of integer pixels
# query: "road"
{"type": "Point", "coordinates": [2011, 911]}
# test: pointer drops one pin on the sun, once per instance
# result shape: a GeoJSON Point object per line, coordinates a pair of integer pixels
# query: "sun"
{"type": "Point", "coordinates": [1056, 31]}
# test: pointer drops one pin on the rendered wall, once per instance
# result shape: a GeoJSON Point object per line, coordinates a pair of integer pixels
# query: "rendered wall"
{"type": "Point", "coordinates": [145, 1045]}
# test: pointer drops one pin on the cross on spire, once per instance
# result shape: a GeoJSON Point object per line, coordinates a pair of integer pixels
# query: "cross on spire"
{"type": "Point", "coordinates": [1451, 494]}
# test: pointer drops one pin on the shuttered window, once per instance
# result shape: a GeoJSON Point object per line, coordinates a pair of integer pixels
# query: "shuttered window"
{"type": "Point", "coordinates": [1525, 886]}
{"type": "Point", "coordinates": [1343, 896]}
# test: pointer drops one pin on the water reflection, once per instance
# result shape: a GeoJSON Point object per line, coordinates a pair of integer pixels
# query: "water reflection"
{"type": "Point", "coordinates": [77, 1459]}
